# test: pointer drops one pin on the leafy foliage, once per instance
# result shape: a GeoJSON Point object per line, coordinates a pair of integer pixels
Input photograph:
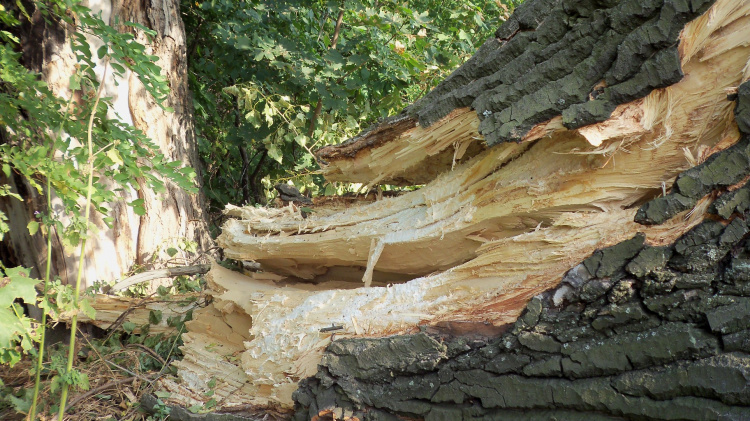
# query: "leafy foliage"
{"type": "Point", "coordinates": [74, 147]}
{"type": "Point", "coordinates": [41, 133]}
{"type": "Point", "coordinates": [260, 69]}
{"type": "Point", "coordinates": [16, 334]}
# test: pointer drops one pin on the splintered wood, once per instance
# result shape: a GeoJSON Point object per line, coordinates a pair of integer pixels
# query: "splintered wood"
{"type": "Point", "coordinates": [402, 153]}
{"type": "Point", "coordinates": [473, 245]}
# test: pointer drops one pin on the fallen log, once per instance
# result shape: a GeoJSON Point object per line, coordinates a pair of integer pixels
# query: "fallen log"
{"type": "Point", "coordinates": [588, 112]}
{"type": "Point", "coordinates": [113, 311]}
{"type": "Point", "coordinates": [159, 274]}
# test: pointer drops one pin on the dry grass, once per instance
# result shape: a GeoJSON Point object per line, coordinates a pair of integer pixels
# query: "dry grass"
{"type": "Point", "coordinates": [117, 382]}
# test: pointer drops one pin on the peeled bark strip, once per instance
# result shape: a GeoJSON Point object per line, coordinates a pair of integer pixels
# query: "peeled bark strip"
{"type": "Point", "coordinates": [399, 152]}
{"type": "Point", "coordinates": [456, 262]}
{"type": "Point", "coordinates": [159, 274]}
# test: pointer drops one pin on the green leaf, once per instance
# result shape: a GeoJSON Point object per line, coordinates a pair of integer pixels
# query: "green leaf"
{"type": "Point", "coordinates": [138, 207]}
{"type": "Point", "coordinates": [114, 156]}
{"type": "Point", "coordinates": [275, 153]}
{"type": "Point", "coordinates": [301, 139]}
{"type": "Point", "coordinates": [19, 285]}
{"type": "Point", "coordinates": [189, 246]}
{"type": "Point", "coordinates": [82, 381]}
{"type": "Point", "coordinates": [87, 308]}
{"type": "Point", "coordinates": [155, 317]}
{"type": "Point", "coordinates": [161, 394]}
{"type": "Point", "coordinates": [118, 68]}
{"type": "Point", "coordinates": [55, 384]}
{"type": "Point", "coordinates": [74, 82]}
{"type": "Point", "coordinates": [33, 227]}
{"type": "Point", "coordinates": [10, 36]}
{"type": "Point", "coordinates": [102, 51]}
{"type": "Point", "coordinates": [243, 43]}
{"type": "Point", "coordinates": [172, 252]}
{"type": "Point", "coordinates": [269, 112]}
{"type": "Point", "coordinates": [10, 330]}
{"type": "Point", "coordinates": [128, 327]}
{"type": "Point", "coordinates": [21, 404]}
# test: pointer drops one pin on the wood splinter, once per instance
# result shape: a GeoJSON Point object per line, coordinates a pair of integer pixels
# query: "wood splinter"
{"type": "Point", "coordinates": [331, 328]}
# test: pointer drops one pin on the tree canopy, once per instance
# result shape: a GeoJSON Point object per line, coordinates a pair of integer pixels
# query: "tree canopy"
{"type": "Point", "coordinates": [273, 80]}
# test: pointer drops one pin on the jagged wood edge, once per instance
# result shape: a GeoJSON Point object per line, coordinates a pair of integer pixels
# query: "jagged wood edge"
{"type": "Point", "coordinates": [631, 332]}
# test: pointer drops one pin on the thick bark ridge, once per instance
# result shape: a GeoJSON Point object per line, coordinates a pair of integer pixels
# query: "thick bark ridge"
{"type": "Point", "coordinates": [633, 332]}
{"type": "Point", "coordinates": [575, 58]}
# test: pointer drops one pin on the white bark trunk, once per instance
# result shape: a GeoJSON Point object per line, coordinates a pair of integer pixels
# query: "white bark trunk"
{"type": "Point", "coordinates": [170, 217]}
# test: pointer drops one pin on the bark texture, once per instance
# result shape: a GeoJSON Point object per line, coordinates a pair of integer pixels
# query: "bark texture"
{"type": "Point", "coordinates": [578, 59]}
{"type": "Point", "coordinates": [170, 217]}
{"type": "Point", "coordinates": [633, 332]}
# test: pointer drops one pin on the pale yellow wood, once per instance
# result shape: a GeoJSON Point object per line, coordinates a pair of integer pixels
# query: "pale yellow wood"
{"type": "Point", "coordinates": [376, 249]}
{"type": "Point", "coordinates": [416, 156]}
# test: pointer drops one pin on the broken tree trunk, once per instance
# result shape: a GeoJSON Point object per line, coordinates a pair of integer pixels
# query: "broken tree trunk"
{"type": "Point", "coordinates": [538, 154]}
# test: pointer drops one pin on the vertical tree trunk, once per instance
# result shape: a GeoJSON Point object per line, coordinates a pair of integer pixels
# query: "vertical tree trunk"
{"type": "Point", "coordinates": [172, 218]}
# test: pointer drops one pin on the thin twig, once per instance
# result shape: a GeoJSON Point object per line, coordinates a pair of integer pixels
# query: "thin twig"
{"type": "Point", "coordinates": [106, 386]}
{"type": "Point", "coordinates": [125, 370]}
{"type": "Point", "coordinates": [150, 351]}
{"type": "Point", "coordinates": [319, 106]}
{"type": "Point", "coordinates": [160, 273]}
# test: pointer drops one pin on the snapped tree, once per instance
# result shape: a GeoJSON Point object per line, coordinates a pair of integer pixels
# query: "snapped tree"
{"type": "Point", "coordinates": [565, 258]}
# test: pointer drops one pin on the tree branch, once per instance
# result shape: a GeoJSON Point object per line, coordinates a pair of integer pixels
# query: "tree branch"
{"type": "Point", "coordinates": [160, 273]}
{"type": "Point", "coordinates": [319, 106]}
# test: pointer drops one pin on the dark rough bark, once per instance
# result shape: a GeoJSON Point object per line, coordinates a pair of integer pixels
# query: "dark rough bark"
{"type": "Point", "coordinates": [596, 53]}
{"type": "Point", "coordinates": [633, 332]}
{"type": "Point", "coordinates": [719, 171]}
